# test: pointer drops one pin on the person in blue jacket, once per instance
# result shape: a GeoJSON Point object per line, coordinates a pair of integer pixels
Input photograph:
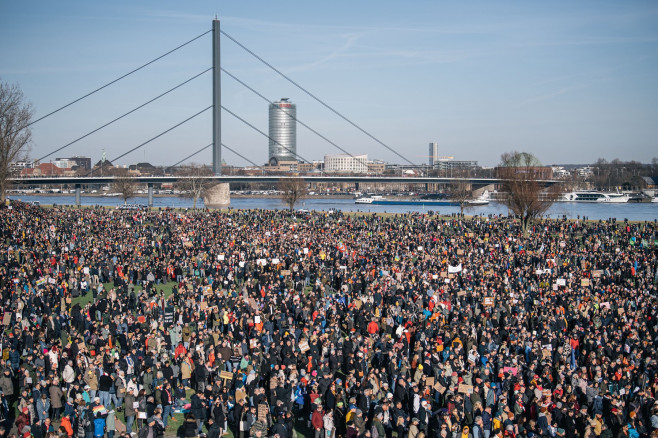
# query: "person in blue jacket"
{"type": "Point", "coordinates": [99, 426]}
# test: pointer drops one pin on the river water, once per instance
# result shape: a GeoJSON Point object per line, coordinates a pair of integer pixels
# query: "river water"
{"type": "Point", "coordinates": [630, 211]}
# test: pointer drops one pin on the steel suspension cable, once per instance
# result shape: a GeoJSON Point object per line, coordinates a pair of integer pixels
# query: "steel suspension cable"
{"type": "Point", "coordinates": [206, 147]}
{"type": "Point", "coordinates": [293, 117]}
{"type": "Point", "coordinates": [125, 114]}
{"type": "Point", "coordinates": [316, 98]}
{"type": "Point", "coordinates": [157, 136]}
{"type": "Point", "coordinates": [119, 78]}
{"type": "Point", "coordinates": [261, 132]}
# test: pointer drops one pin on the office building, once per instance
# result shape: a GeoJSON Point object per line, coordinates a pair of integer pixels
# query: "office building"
{"type": "Point", "coordinates": [433, 154]}
{"type": "Point", "coordinates": [343, 163]}
{"type": "Point", "coordinates": [283, 132]}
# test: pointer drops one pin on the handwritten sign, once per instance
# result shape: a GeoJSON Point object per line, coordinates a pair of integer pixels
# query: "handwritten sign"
{"type": "Point", "coordinates": [488, 301]}
{"type": "Point", "coordinates": [584, 282]}
{"type": "Point", "coordinates": [465, 389]}
{"type": "Point", "coordinates": [597, 274]}
{"type": "Point", "coordinates": [262, 412]}
{"type": "Point", "coordinates": [303, 346]}
{"type": "Point", "coordinates": [429, 382]}
{"type": "Point", "coordinates": [440, 388]}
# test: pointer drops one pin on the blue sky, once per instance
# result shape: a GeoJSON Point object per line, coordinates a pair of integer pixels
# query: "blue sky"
{"type": "Point", "coordinates": [567, 81]}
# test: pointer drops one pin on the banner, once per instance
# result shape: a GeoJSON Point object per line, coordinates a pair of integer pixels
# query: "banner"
{"type": "Point", "coordinates": [454, 269]}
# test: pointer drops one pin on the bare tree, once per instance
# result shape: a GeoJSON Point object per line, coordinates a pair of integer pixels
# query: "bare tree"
{"type": "Point", "coordinates": [125, 187]}
{"type": "Point", "coordinates": [195, 185]}
{"type": "Point", "coordinates": [461, 192]}
{"type": "Point", "coordinates": [15, 134]}
{"type": "Point", "coordinates": [524, 194]}
{"type": "Point", "coordinates": [293, 190]}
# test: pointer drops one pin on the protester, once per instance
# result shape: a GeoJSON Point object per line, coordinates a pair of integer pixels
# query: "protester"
{"type": "Point", "coordinates": [362, 325]}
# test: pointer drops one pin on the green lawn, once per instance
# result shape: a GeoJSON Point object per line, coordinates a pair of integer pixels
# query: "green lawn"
{"type": "Point", "coordinates": [83, 300]}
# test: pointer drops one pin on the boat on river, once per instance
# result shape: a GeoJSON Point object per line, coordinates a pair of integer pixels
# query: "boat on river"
{"type": "Point", "coordinates": [595, 196]}
{"type": "Point", "coordinates": [380, 200]}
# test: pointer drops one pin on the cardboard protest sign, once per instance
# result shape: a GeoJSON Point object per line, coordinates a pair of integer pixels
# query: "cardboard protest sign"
{"type": "Point", "coordinates": [488, 301]}
{"type": "Point", "coordinates": [440, 388]}
{"type": "Point", "coordinates": [262, 412]}
{"type": "Point", "coordinates": [225, 375]}
{"type": "Point", "coordinates": [429, 382]}
{"type": "Point", "coordinates": [465, 389]}
{"type": "Point", "coordinates": [303, 346]}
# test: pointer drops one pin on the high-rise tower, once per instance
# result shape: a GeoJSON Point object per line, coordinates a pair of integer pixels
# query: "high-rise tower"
{"type": "Point", "coordinates": [433, 154]}
{"type": "Point", "coordinates": [283, 131]}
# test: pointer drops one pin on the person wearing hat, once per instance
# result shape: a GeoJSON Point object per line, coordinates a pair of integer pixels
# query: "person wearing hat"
{"type": "Point", "coordinates": [339, 419]}
{"type": "Point", "coordinates": [316, 421]}
{"type": "Point", "coordinates": [43, 407]}
{"type": "Point", "coordinates": [6, 385]}
{"type": "Point", "coordinates": [359, 421]}
{"type": "Point", "coordinates": [414, 429]}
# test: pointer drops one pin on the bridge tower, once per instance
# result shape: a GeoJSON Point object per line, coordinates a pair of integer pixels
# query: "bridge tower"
{"type": "Point", "coordinates": [216, 101]}
{"type": "Point", "coordinates": [218, 195]}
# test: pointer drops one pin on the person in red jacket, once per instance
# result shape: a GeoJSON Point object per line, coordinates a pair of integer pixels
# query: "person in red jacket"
{"type": "Point", "coordinates": [316, 421]}
{"type": "Point", "coordinates": [373, 327]}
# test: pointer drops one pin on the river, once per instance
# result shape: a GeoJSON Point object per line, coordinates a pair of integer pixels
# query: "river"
{"type": "Point", "coordinates": [630, 211]}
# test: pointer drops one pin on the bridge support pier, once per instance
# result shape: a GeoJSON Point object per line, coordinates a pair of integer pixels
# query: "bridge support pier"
{"type": "Point", "coordinates": [77, 195]}
{"type": "Point", "coordinates": [217, 196]}
{"type": "Point", "coordinates": [150, 188]}
{"type": "Point", "coordinates": [356, 186]}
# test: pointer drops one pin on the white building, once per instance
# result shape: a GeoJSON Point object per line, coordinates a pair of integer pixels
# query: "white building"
{"type": "Point", "coordinates": [343, 163]}
{"type": "Point", "coordinates": [64, 163]}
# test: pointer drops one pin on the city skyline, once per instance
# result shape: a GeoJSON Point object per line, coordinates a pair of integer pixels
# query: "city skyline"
{"type": "Point", "coordinates": [567, 82]}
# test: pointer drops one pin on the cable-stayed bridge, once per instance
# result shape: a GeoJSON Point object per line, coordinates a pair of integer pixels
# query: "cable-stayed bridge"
{"type": "Point", "coordinates": [216, 130]}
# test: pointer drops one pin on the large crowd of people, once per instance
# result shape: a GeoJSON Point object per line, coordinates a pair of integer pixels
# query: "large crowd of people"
{"type": "Point", "coordinates": [266, 324]}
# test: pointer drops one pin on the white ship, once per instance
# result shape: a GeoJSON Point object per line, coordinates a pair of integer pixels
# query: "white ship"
{"type": "Point", "coordinates": [369, 199]}
{"type": "Point", "coordinates": [594, 196]}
